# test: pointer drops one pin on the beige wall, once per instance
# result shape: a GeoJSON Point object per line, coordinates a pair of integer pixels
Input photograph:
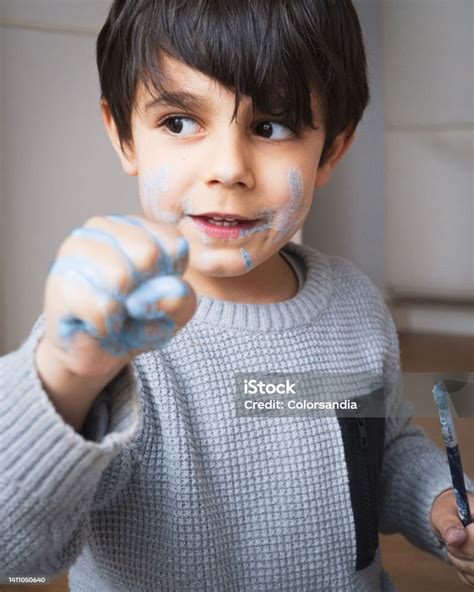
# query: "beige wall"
{"type": "Point", "coordinates": [429, 136]}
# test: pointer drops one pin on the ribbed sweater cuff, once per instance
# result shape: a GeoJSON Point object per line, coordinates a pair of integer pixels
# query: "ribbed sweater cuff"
{"type": "Point", "coordinates": [43, 455]}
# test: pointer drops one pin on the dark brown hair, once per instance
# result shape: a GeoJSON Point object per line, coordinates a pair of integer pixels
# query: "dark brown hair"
{"type": "Point", "coordinates": [275, 51]}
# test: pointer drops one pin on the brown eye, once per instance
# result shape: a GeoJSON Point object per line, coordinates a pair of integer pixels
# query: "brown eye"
{"type": "Point", "coordinates": [175, 125]}
{"type": "Point", "coordinates": [181, 126]}
{"type": "Point", "coordinates": [264, 129]}
{"type": "Point", "coordinates": [273, 130]}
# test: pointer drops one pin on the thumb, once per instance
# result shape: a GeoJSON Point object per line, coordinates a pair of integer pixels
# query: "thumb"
{"type": "Point", "coordinates": [453, 533]}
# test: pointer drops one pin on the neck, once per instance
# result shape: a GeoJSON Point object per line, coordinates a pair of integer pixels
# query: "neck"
{"type": "Point", "coordinates": [272, 281]}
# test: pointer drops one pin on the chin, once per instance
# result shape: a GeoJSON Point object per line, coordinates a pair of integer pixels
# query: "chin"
{"type": "Point", "coordinates": [219, 266]}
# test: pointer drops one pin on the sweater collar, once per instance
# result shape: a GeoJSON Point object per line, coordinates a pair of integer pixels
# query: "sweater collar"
{"type": "Point", "coordinates": [304, 308]}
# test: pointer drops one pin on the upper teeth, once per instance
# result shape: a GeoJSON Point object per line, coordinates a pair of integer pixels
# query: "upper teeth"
{"type": "Point", "coordinates": [219, 218]}
{"type": "Point", "coordinates": [224, 221]}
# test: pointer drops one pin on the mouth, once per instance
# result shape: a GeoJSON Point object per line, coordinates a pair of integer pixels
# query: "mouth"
{"type": "Point", "coordinates": [221, 225]}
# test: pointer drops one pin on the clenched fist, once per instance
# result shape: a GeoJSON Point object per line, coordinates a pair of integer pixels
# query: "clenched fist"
{"type": "Point", "coordinates": [115, 290]}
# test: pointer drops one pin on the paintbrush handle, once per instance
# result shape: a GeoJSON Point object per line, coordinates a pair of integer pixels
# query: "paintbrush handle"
{"type": "Point", "coordinates": [441, 398]}
{"type": "Point", "coordinates": [460, 493]}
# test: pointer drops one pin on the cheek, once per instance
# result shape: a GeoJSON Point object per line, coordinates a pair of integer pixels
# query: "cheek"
{"type": "Point", "coordinates": [158, 189]}
{"type": "Point", "coordinates": [294, 205]}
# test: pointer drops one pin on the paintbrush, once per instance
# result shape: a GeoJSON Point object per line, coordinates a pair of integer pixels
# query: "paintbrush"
{"type": "Point", "coordinates": [441, 398]}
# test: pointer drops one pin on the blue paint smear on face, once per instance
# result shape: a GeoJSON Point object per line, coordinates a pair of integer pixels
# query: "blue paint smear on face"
{"type": "Point", "coordinates": [132, 322]}
{"type": "Point", "coordinates": [247, 259]}
{"type": "Point", "coordinates": [154, 183]}
{"type": "Point", "coordinates": [285, 220]}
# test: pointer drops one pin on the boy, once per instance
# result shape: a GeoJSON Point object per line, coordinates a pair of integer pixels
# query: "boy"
{"type": "Point", "coordinates": [143, 476]}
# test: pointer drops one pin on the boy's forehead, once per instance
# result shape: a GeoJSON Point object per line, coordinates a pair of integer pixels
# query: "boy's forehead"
{"type": "Point", "coordinates": [187, 87]}
{"type": "Point", "coordinates": [181, 80]}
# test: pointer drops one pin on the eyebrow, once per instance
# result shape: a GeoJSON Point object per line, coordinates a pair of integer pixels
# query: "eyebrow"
{"type": "Point", "coordinates": [180, 99]}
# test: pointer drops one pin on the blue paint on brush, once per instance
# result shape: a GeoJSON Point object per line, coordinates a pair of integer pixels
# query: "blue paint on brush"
{"type": "Point", "coordinates": [448, 430]}
{"type": "Point", "coordinates": [247, 259]}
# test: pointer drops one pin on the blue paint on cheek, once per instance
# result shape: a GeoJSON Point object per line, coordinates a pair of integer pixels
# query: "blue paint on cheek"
{"type": "Point", "coordinates": [247, 259]}
{"type": "Point", "coordinates": [254, 229]}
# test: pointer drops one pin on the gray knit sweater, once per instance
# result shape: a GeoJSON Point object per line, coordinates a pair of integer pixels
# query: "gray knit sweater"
{"type": "Point", "coordinates": [167, 488]}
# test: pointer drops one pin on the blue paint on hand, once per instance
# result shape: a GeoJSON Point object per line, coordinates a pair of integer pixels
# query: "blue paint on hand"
{"type": "Point", "coordinates": [134, 321]}
{"type": "Point", "coordinates": [141, 304]}
{"type": "Point", "coordinates": [110, 240]}
{"type": "Point", "coordinates": [182, 253]}
{"type": "Point", "coordinates": [165, 262]}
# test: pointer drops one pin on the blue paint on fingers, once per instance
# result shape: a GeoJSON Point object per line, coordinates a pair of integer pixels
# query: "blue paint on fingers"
{"type": "Point", "coordinates": [165, 262]}
{"type": "Point", "coordinates": [110, 240]}
{"type": "Point", "coordinates": [141, 304]}
{"type": "Point", "coordinates": [133, 321]}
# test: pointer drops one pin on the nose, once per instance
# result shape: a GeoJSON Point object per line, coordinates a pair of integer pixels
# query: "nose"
{"type": "Point", "coordinates": [229, 161]}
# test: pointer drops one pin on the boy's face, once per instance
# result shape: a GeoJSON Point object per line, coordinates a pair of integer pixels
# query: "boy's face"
{"type": "Point", "coordinates": [196, 161]}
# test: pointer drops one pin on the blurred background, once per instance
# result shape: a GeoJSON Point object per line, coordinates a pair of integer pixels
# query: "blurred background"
{"type": "Point", "coordinates": [400, 206]}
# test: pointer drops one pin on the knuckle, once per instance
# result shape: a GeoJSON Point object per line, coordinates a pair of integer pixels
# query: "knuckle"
{"type": "Point", "coordinates": [122, 282]}
{"type": "Point", "coordinates": [147, 257]}
{"type": "Point", "coordinates": [94, 222]}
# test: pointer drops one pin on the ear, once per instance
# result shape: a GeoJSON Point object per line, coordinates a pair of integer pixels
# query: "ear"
{"type": "Point", "coordinates": [339, 147]}
{"type": "Point", "coordinates": [126, 155]}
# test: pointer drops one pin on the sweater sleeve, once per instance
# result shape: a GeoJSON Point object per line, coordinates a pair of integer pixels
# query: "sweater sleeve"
{"type": "Point", "coordinates": [49, 473]}
{"type": "Point", "coordinates": [415, 471]}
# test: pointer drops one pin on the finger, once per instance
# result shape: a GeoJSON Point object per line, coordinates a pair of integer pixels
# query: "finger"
{"type": "Point", "coordinates": [464, 565]}
{"type": "Point", "coordinates": [139, 336]}
{"type": "Point", "coordinates": [177, 245]}
{"type": "Point", "coordinates": [86, 304]}
{"type": "Point", "coordinates": [147, 257]}
{"type": "Point", "coordinates": [156, 298]}
{"type": "Point", "coordinates": [171, 246]}
{"type": "Point", "coordinates": [466, 550]}
{"type": "Point", "coordinates": [467, 580]}
{"type": "Point", "coordinates": [164, 262]}
{"type": "Point", "coordinates": [111, 267]}
{"type": "Point", "coordinates": [454, 535]}
{"type": "Point", "coordinates": [114, 248]}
